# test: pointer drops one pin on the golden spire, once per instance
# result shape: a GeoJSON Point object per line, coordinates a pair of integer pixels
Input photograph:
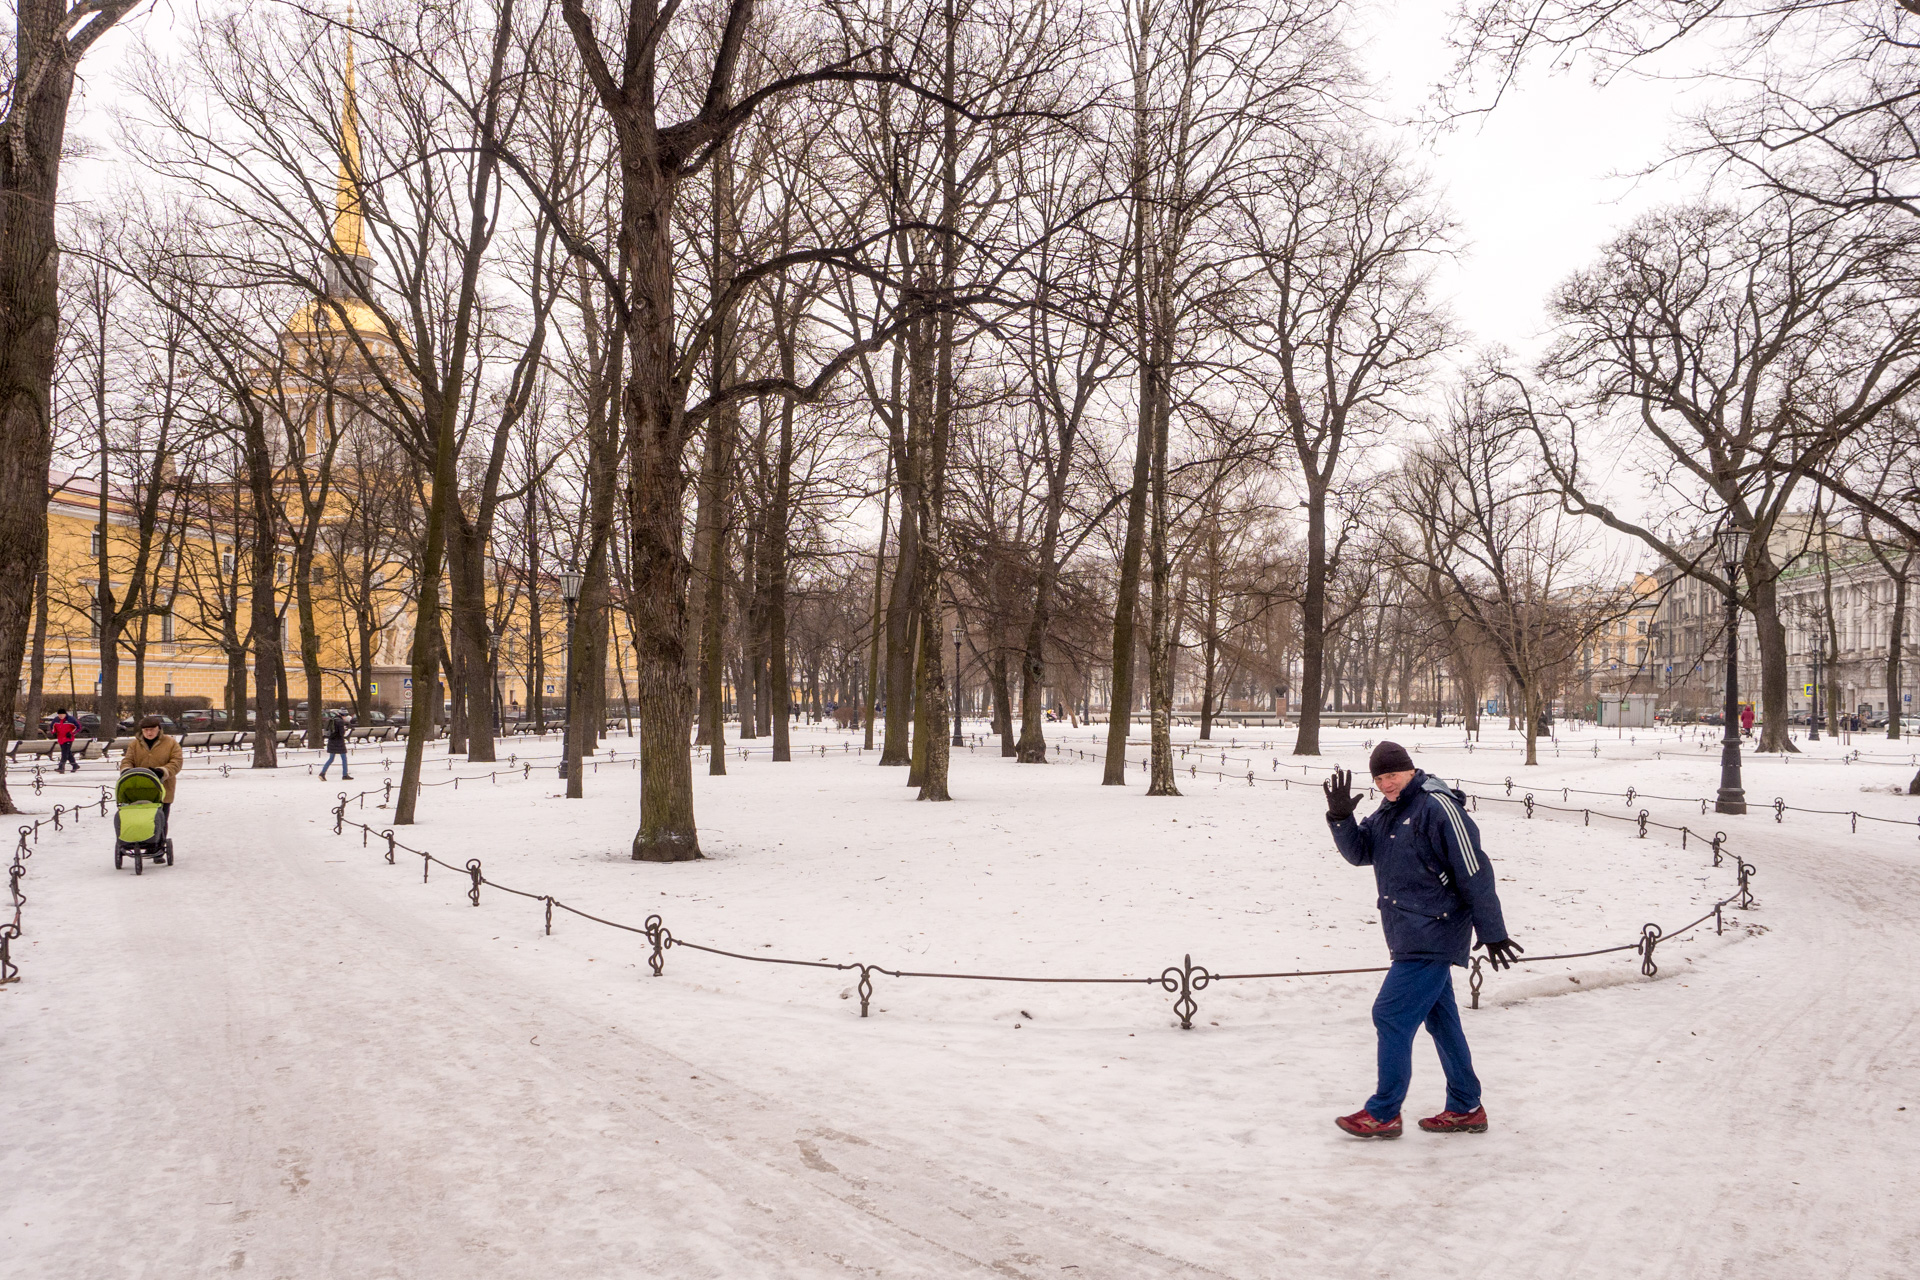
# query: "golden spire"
{"type": "Point", "coordinates": [349, 228]}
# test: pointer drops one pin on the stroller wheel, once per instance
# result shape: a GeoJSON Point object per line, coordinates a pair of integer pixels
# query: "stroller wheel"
{"type": "Point", "coordinates": [139, 864]}
{"type": "Point", "coordinates": [169, 853]}
{"type": "Point", "coordinates": [119, 860]}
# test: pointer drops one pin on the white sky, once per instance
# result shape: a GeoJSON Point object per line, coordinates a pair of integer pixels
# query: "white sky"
{"type": "Point", "coordinates": [1541, 182]}
{"type": "Point", "coordinates": [1538, 185]}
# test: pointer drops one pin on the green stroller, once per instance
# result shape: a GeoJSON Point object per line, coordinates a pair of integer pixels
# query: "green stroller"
{"type": "Point", "coordinates": [139, 820]}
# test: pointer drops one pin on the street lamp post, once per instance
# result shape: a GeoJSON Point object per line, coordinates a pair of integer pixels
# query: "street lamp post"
{"type": "Point", "coordinates": [1733, 797]}
{"type": "Point", "coordinates": [1813, 710]}
{"type": "Point", "coordinates": [958, 634]}
{"type": "Point", "coordinates": [569, 592]}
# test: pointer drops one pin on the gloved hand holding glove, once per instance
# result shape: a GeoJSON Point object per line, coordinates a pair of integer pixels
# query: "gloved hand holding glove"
{"type": "Point", "coordinates": [1341, 802]}
{"type": "Point", "coordinates": [1501, 953]}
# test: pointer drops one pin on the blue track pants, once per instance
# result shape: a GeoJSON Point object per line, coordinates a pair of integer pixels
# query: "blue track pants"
{"type": "Point", "coordinates": [1417, 992]}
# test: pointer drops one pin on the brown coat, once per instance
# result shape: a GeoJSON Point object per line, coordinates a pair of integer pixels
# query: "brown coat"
{"type": "Point", "coordinates": [162, 755]}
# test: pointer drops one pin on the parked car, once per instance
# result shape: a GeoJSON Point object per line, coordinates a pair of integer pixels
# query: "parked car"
{"type": "Point", "coordinates": [195, 719]}
{"type": "Point", "coordinates": [128, 724]}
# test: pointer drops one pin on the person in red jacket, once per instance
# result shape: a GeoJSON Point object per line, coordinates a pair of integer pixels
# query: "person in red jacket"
{"type": "Point", "coordinates": [64, 728]}
{"type": "Point", "coordinates": [1746, 721]}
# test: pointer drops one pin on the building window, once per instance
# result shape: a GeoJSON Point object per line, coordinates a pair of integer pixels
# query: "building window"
{"type": "Point", "coordinates": [168, 556]}
{"type": "Point", "coordinates": [93, 544]}
{"type": "Point", "coordinates": [226, 562]}
{"type": "Point", "coordinates": [166, 632]}
{"type": "Point", "coordinates": [94, 611]}
{"type": "Point", "coordinates": [280, 569]}
{"type": "Point", "coordinates": [169, 689]}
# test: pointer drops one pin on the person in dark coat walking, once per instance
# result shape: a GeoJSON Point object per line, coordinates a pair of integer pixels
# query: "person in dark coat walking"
{"type": "Point", "coordinates": [1436, 891]}
{"type": "Point", "coordinates": [64, 729]}
{"type": "Point", "coordinates": [336, 747]}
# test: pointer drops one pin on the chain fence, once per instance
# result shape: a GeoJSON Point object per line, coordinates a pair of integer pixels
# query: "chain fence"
{"type": "Point", "coordinates": [1183, 981]}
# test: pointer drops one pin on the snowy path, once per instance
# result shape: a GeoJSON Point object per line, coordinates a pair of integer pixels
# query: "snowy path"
{"type": "Point", "coordinates": [284, 1058]}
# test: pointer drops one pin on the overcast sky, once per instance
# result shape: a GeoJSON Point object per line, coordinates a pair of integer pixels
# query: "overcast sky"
{"type": "Point", "coordinates": [1539, 184]}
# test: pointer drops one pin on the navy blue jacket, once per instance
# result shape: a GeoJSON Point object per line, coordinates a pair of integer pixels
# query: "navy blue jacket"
{"type": "Point", "coordinates": [1436, 885]}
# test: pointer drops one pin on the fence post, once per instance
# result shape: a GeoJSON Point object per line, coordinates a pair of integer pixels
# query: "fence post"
{"type": "Point", "coordinates": [1474, 979]}
{"type": "Point", "coordinates": [1649, 939]}
{"type": "Point", "coordinates": [1185, 979]}
{"type": "Point", "coordinates": [661, 938]}
{"type": "Point", "coordinates": [388, 836]}
{"type": "Point", "coordinates": [473, 869]}
{"type": "Point", "coordinates": [340, 814]}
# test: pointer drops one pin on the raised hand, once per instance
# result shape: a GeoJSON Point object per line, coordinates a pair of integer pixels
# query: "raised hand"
{"type": "Point", "coordinates": [1502, 953]}
{"type": "Point", "coordinates": [1341, 802]}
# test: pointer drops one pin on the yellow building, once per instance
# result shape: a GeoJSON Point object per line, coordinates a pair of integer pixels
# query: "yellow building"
{"type": "Point", "coordinates": [183, 544]}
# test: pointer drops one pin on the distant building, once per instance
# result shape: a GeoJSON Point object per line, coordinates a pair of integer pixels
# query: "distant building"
{"type": "Point", "coordinates": [1689, 628]}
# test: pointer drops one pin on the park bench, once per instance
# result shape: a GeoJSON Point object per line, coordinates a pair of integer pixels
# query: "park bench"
{"type": "Point", "coordinates": [195, 741]}
{"type": "Point", "coordinates": [31, 749]}
{"type": "Point", "coordinates": [225, 739]}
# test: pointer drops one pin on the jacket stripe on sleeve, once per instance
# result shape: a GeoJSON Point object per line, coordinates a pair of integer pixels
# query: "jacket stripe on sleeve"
{"type": "Point", "coordinates": [1459, 821]}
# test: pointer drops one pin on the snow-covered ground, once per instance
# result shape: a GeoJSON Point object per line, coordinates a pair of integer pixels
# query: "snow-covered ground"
{"type": "Point", "coordinates": [285, 1057]}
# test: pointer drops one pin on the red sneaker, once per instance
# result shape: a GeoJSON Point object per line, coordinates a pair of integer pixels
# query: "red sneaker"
{"type": "Point", "coordinates": [1361, 1124]}
{"type": "Point", "coordinates": [1474, 1121]}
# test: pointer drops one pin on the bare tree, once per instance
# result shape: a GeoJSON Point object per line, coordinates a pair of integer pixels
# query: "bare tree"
{"type": "Point", "coordinates": [1730, 354]}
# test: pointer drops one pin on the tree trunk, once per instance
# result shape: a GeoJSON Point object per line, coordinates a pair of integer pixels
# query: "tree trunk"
{"type": "Point", "coordinates": [425, 657]}
{"type": "Point", "coordinates": [1162, 621]}
{"type": "Point", "coordinates": [1002, 703]}
{"type": "Point", "coordinates": [872, 691]}
{"type": "Point", "coordinates": [896, 749]}
{"type": "Point", "coordinates": [779, 675]}
{"type": "Point", "coordinates": [37, 658]}
{"type": "Point", "coordinates": [1313, 627]}
{"type": "Point", "coordinates": [472, 687]}
{"type": "Point", "coordinates": [309, 646]}
{"type": "Point", "coordinates": [263, 615]}
{"type": "Point", "coordinates": [654, 412]}
{"type": "Point", "coordinates": [29, 321]}
{"type": "Point", "coordinates": [1126, 605]}
{"type": "Point", "coordinates": [1770, 639]}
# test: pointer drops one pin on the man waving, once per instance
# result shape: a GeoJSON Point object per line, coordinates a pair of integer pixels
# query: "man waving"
{"type": "Point", "coordinates": [1436, 892]}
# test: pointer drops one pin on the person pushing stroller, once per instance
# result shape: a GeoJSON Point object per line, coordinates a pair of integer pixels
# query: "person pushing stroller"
{"type": "Point", "coordinates": [154, 748]}
{"type": "Point", "coordinates": [1436, 891]}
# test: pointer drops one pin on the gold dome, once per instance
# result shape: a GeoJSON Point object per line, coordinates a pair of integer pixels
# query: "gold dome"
{"type": "Point", "coordinates": [322, 317]}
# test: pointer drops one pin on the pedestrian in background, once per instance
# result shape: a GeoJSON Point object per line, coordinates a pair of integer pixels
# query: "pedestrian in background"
{"type": "Point", "coordinates": [64, 728]}
{"type": "Point", "coordinates": [336, 746]}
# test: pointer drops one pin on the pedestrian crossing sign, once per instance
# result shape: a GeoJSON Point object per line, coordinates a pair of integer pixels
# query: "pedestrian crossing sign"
{"type": "Point", "coordinates": [1807, 689]}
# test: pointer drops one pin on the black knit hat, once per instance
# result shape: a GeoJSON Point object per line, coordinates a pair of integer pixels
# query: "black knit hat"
{"type": "Point", "coordinates": [1388, 757]}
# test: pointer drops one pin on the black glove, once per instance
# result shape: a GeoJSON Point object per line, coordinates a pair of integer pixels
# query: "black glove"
{"type": "Point", "coordinates": [1501, 953]}
{"type": "Point", "coordinates": [1341, 802]}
